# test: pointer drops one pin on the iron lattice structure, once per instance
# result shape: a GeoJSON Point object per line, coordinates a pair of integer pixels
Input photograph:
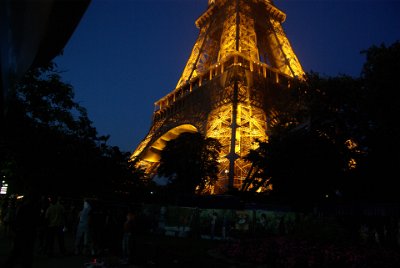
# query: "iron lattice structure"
{"type": "Point", "coordinates": [241, 53]}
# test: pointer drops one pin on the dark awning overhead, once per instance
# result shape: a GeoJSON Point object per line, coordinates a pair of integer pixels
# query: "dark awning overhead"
{"type": "Point", "coordinates": [32, 33]}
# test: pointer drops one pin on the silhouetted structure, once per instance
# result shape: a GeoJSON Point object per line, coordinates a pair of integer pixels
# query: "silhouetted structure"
{"type": "Point", "coordinates": [32, 33]}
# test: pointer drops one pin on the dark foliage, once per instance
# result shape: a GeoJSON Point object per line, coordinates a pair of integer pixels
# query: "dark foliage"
{"type": "Point", "coordinates": [340, 140]}
{"type": "Point", "coordinates": [190, 163]}
{"type": "Point", "coordinates": [50, 146]}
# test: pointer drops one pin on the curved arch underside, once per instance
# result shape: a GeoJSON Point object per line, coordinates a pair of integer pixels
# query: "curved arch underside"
{"type": "Point", "coordinates": [153, 153]}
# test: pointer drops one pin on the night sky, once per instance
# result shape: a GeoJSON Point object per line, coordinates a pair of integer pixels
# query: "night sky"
{"type": "Point", "coordinates": [127, 54]}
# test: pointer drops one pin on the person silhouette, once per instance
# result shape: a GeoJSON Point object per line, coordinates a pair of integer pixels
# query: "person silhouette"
{"type": "Point", "coordinates": [56, 220]}
{"type": "Point", "coordinates": [83, 239]}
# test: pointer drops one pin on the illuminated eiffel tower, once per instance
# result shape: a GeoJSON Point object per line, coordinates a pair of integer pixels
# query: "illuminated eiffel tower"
{"type": "Point", "coordinates": [240, 53]}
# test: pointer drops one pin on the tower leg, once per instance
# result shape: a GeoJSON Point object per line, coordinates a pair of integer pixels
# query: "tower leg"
{"type": "Point", "coordinates": [232, 154]}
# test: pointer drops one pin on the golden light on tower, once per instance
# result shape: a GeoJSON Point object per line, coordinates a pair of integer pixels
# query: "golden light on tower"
{"type": "Point", "coordinates": [241, 52]}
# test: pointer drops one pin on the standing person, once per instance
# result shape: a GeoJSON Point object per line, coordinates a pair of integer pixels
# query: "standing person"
{"type": "Point", "coordinates": [225, 227]}
{"type": "Point", "coordinates": [282, 227]}
{"type": "Point", "coordinates": [263, 223]}
{"type": "Point", "coordinates": [161, 221]}
{"type": "Point", "coordinates": [127, 238]}
{"type": "Point", "coordinates": [213, 223]}
{"type": "Point", "coordinates": [97, 228]}
{"type": "Point", "coordinates": [56, 219]}
{"type": "Point", "coordinates": [8, 216]}
{"type": "Point", "coordinates": [42, 224]}
{"type": "Point", "coordinates": [83, 239]}
{"type": "Point", "coordinates": [24, 228]}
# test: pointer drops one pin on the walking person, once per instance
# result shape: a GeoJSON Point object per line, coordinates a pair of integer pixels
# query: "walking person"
{"type": "Point", "coordinates": [56, 219]}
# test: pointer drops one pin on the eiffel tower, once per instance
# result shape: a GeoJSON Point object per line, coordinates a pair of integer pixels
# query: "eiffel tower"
{"type": "Point", "coordinates": [240, 53]}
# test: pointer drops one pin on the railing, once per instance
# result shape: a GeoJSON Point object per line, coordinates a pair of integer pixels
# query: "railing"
{"type": "Point", "coordinates": [217, 69]}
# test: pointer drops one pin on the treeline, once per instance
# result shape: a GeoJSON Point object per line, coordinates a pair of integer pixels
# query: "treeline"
{"type": "Point", "coordinates": [334, 138]}
{"type": "Point", "coordinates": [49, 145]}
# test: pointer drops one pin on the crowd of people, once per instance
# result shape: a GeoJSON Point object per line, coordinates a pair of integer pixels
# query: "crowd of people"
{"type": "Point", "coordinates": [40, 227]}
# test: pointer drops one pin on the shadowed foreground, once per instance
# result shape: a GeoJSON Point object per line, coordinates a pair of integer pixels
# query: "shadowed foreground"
{"type": "Point", "coordinates": [153, 250]}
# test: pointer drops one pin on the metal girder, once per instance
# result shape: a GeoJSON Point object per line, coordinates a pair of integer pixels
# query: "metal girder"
{"type": "Point", "coordinates": [240, 52]}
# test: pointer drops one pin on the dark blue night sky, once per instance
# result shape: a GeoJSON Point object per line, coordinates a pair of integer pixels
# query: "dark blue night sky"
{"type": "Point", "coordinates": [126, 54]}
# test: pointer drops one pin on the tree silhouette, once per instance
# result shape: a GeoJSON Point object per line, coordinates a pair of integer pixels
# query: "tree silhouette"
{"type": "Point", "coordinates": [307, 153]}
{"type": "Point", "coordinates": [190, 162]}
{"type": "Point", "coordinates": [341, 138]}
{"type": "Point", "coordinates": [49, 143]}
{"type": "Point", "coordinates": [374, 179]}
